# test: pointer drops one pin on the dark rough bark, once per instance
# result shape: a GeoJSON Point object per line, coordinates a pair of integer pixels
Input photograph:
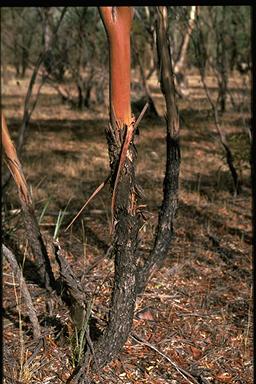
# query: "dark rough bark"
{"type": "Point", "coordinates": [124, 243]}
{"type": "Point", "coordinates": [165, 230]}
{"type": "Point", "coordinates": [253, 160]}
{"type": "Point", "coordinates": [126, 227]}
{"type": "Point", "coordinates": [130, 278]}
{"type": "Point", "coordinates": [168, 209]}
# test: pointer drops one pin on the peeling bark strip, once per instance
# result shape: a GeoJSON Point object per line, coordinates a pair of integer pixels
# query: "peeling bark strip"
{"type": "Point", "coordinates": [33, 232]}
{"type": "Point", "coordinates": [14, 164]}
{"type": "Point", "coordinates": [168, 209]}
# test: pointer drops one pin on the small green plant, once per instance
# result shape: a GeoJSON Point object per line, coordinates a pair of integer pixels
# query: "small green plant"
{"type": "Point", "coordinates": [78, 340]}
{"type": "Point", "coordinates": [44, 211]}
{"type": "Point", "coordinates": [84, 241]}
{"type": "Point", "coordinates": [59, 221]}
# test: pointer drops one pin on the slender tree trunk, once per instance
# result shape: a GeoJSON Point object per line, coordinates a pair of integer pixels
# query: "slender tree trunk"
{"type": "Point", "coordinates": [180, 65]}
{"type": "Point", "coordinates": [117, 21]}
{"type": "Point", "coordinates": [125, 220]}
{"type": "Point", "coordinates": [47, 38]}
{"type": "Point", "coordinates": [222, 62]}
{"type": "Point", "coordinates": [181, 62]}
{"type": "Point", "coordinates": [16, 50]}
{"type": "Point", "coordinates": [130, 277]}
{"type": "Point", "coordinates": [168, 209]}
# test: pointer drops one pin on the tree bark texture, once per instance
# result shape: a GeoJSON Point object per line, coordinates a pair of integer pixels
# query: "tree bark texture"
{"type": "Point", "coordinates": [117, 21]}
{"type": "Point", "coordinates": [130, 278]}
{"type": "Point", "coordinates": [125, 219]}
{"type": "Point", "coordinates": [164, 232]}
{"type": "Point", "coordinates": [126, 227]}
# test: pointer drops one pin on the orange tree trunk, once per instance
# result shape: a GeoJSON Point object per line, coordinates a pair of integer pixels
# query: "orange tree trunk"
{"type": "Point", "coordinates": [130, 273]}
{"type": "Point", "coordinates": [122, 153]}
{"type": "Point", "coordinates": [117, 22]}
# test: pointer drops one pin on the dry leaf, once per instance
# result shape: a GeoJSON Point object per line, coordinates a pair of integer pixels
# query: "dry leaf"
{"type": "Point", "coordinates": [145, 314]}
{"type": "Point", "coordinates": [197, 353]}
{"type": "Point", "coordinates": [224, 377]}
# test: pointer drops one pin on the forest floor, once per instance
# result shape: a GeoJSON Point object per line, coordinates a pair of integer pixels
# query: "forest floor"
{"type": "Point", "coordinates": [196, 312]}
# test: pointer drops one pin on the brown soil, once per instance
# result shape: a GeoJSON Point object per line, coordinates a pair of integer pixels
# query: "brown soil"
{"type": "Point", "coordinates": [197, 309]}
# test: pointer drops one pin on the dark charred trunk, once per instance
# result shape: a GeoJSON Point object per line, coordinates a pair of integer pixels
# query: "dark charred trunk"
{"type": "Point", "coordinates": [124, 245]}
{"type": "Point", "coordinates": [168, 209]}
{"type": "Point", "coordinates": [125, 241]}
{"type": "Point", "coordinates": [165, 228]}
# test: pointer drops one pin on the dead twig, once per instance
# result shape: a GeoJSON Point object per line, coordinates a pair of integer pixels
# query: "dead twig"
{"type": "Point", "coordinates": [185, 374]}
{"type": "Point", "coordinates": [97, 190]}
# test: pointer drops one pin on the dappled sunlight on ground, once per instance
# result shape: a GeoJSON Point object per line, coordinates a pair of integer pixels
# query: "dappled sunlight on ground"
{"type": "Point", "coordinates": [199, 304]}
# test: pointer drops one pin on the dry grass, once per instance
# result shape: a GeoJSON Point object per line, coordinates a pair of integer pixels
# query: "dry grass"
{"type": "Point", "coordinates": [200, 302]}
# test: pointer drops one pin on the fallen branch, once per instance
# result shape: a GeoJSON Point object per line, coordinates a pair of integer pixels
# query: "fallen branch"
{"type": "Point", "coordinates": [24, 289]}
